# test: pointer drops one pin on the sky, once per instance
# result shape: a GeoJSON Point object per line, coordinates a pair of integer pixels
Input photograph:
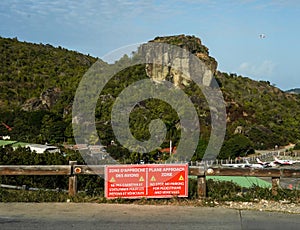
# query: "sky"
{"type": "Point", "coordinates": [231, 29]}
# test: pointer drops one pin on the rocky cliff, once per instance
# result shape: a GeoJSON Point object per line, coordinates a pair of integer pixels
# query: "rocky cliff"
{"type": "Point", "coordinates": [46, 100]}
{"type": "Point", "coordinates": [180, 60]}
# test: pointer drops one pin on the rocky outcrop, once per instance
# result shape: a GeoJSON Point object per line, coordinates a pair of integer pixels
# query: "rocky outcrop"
{"type": "Point", "coordinates": [239, 130]}
{"type": "Point", "coordinates": [46, 100]}
{"type": "Point", "coordinates": [50, 96]}
{"type": "Point", "coordinates": [174, 61]}
{"type": "Point", "coordinates": [33, 104]}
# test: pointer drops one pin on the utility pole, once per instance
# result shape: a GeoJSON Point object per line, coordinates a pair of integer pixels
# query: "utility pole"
{"type": "Point", "coordinates": [170, 148]}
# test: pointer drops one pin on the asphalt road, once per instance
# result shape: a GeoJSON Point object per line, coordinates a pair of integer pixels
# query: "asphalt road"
{"type": "Point", "coordinates": [123, 216]}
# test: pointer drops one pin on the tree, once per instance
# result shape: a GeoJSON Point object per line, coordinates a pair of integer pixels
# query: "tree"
{"type": "Point", "coordinates": [237, 146]}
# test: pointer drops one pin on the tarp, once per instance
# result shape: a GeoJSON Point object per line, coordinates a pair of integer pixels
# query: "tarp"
{"type": "Point", "coordinates": [245, 182]}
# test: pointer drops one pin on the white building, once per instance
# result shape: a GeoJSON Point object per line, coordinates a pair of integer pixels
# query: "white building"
{"type": "Point", "coordinates": [43, 148]}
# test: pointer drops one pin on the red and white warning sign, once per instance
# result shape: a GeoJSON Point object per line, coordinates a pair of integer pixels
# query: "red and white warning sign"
{"type": "Point", "coordinates": [153, 180]}
{"type": "Point", "coordinates": [168, 180]}
{"type": "Point", "coordinates": [125, 181]}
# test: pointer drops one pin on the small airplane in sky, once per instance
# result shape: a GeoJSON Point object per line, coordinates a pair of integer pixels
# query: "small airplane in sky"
{"type": "Point", "coordinates": [262, 36]}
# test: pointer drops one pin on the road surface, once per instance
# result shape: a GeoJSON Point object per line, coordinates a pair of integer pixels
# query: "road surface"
{"type": "Point", "coordinates": [86, 216]}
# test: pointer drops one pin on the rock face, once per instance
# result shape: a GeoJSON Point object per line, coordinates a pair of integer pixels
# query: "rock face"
{"type": "Point", "coordinates": [46, 101]}
{"type": "Point", "coordinates": [33, 104]}
{"type": "Point", "coordinates": [181, 60]}
{"type": "Point", "coordinates": [50, 96]}
{"type": "Point", "coordinates": [239, 130]}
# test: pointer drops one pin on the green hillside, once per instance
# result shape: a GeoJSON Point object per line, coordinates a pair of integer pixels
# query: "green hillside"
{"type": "Point", "coordinates": [267, 115]}
{"type": "Point", "coordinates": [27, 70]}
{"type": "Point", "coordinates": [38, 84]}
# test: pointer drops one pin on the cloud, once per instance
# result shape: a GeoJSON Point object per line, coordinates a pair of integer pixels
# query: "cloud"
{"type": "Point", "coordinates": [264, 69]}
{"type": "Point", "coordinates": [108, 10]}
{"type": "Point", "coordinates": [86, 7]}
{"type": "Point", "coordinates": [275, 4]}
{"type": "Point", "coordinates": [89, 13]}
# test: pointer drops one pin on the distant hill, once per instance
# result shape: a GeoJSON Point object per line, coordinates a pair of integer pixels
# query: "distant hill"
{"type": "Point", "coordinates": [38, 83]}
{"type": "Point", "coordinates": [295, 90]}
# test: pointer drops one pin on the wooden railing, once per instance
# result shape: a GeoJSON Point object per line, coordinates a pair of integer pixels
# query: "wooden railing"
{"type": "Point", "coordinates": [274, 173]}
{"type": "Point", "coordinates": [72, 170]}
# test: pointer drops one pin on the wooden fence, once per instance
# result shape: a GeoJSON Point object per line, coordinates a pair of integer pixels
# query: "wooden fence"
{"type": "Point", "coordinates": [72, 170]}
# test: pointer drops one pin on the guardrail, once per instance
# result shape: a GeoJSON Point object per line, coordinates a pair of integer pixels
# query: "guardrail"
{"type": "Point", "coordinates": [73, 170]}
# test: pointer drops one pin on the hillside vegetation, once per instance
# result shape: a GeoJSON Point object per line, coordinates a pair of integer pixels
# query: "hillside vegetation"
{"type": "Point", "coordinates": [267, 116]}
{"type": "Point", "coordinates": [38, 84]}
{"type": "Point", "coordinates": [27, 70]}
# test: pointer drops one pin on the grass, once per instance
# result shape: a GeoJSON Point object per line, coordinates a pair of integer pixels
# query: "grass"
{"type": "Point", "coordinates": [217, 191]}
{"type": "Point", "coordinates": [32, 196]}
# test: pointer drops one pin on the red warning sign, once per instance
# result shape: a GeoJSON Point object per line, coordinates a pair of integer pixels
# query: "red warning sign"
{"type": "Point", "coordinates": [125, 181]}
{"type": "Point", "coordinates": [153, 180]}
{"type": "Point", "coordinates": [168, 180]}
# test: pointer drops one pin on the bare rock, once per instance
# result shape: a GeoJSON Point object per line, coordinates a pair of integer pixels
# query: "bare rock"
{"type": "Point", "coordinates": [181, 60]}
{"type": "Point", "coordinates": [46, 100]}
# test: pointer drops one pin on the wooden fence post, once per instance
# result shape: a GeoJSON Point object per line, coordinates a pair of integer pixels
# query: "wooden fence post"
{"type": "Point", "coordinates": [72, 180]}
{"type": "Point", "coordinates": [201, 186]}
{"type": "Point", "coordinates": [275, 185]}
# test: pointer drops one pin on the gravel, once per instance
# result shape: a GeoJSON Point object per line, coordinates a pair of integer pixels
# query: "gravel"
{"type": "Point", "coordinates": [265, 205]}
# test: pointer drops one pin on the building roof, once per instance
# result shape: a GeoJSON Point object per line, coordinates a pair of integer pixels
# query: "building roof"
{"type": "Point", "coordinates": [5, 143]}
{"type": "Point", "coordinates": [33, 147]}
{"type": "Point", "coordinates": [19, 144]}
{"type": "Point", "coordinates": [42, 148]}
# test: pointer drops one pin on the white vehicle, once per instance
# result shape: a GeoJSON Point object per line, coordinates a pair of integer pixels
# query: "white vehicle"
{"type": "Point", "coordinates": [240, 165]}
{"type": "Point", "coordinates": [258, 166]}
{"type": "Point", "coordinates": [266, 164]}
{"type": "Point", "coordinates": [244, 165]}
{"type": "Point", "coordinates": [236, 165]}
{"type": "Point", "coordinates": [285, 162]}
{"type": "Point", "coordinates": [276, 162]}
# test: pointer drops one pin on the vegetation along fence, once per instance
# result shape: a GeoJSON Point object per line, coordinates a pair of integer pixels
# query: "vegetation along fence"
{"type": "Point", "coordinates": [72, 170]}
